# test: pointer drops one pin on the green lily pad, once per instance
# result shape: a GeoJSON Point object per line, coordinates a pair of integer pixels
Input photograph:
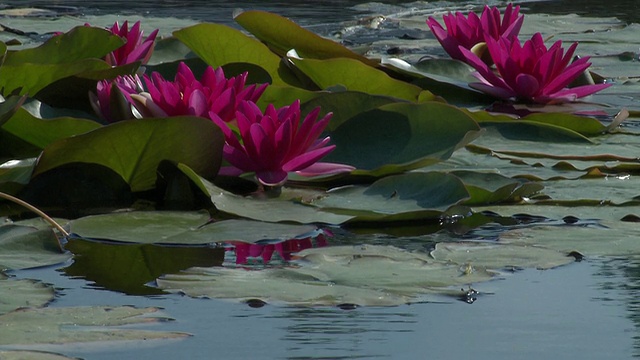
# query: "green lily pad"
{"type": "Point", "coordinates": [24, 293]}
{"type": "Point", "coordinates": [356, 76]}
{"type": "Point", "coordinates": [181, 228]}
{"type": "Point", "coordinates": [362, 275]}
{"type": "Point", "coordinates": [401, 137]}
{"type": "Point", "coordinates": [23, 247]}
{"type": "Point", "coordinates": [134, 149]}
{"type": "Point", "coordinates": [488, 188]}
{"type": "Point", "coordinates": [42, 132]}
{"type": "Point", "coordinates": [30, 70]}
{"type": "Point", "coordinates": [30, 327]}
{"type": "Point", "coordinates": [345, 105]}
{"type": "Point", "coordinates": [408, 196]}
{"type": "Point", "coordinates": [499, 256]}
{"type": "Point", "coordinates": [218, 45]}
{"type": "Point", "coordinates": [287, 207]}
{"type": "Point", "coordinates": [282, 35]}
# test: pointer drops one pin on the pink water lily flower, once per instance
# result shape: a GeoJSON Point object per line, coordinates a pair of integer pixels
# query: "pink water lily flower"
{"type": "Point", "coordinates": [186, 95]}
{"type": "Point", "coordinates": [136, 48]}
{"type": "Point", "coordinates": [472, 30]}
{"type": "Point", "coordinates": [276, 142]}
{"type": "Point", "coordinates": [531, 72]}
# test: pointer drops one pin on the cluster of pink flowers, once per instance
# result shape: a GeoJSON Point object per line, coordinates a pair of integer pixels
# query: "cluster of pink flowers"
{"type": "Point", "coordinates": [271, 143]}
{"type": "Point", "coordinates": [528, 72]}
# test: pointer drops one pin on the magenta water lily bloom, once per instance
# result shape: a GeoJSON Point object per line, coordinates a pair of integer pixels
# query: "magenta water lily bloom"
{"type": "Point", "coordinates": [186, 95]}
{"type": "Point", "coordinates": [472, 30]}
{"type": "Point", "coordinates": [530, 72]}
{"type": "Point", "coordinates": [137, 48]}
{"type": "Point", "coordinates": [276, 142]}
{"type": "Point", "coordinates": [112, 108]}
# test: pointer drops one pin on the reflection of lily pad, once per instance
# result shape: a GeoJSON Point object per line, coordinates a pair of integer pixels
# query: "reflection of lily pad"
{"type": "Point", "coordinates": [363, 275]}
{"type": "Point", "coordinates": [24, 247]}
{"type": "Point", "coordinates": [64, 326]}
{"type": "Point", "coordinates": [15, 294]}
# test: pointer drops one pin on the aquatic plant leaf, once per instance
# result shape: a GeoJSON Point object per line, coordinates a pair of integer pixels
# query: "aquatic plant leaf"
{"type": "Point", "coordinates": [345, 105]}
{"type": "Point", "coordinates": [25, 328]}
{"type": "Point", "coordinates": [219, 45]}
{"type": "Point", "coordinates": [42, 132]}
{"type": "Point", "coordinates": [361, 275]}
{"type": "Point", "coordinates": [356, 76]}
{"type": "Point", "coordinates": [181, 228]}
{"type": "Point", "coordinates": [287, 207]}
{"type": "Point", "coordinates": [499, 256]}
{"type": "Point", "coordinates": [490, 188]}
{"type": "Point", "coordinates": [77, 51]}
{"type": "Point", "coordinates": [282, 35]}
{"type": "Point", "coordinates": [284, 95]}
{"type": "Point", "coordinates": [23, 247]}
{"type": "Point", "coordinates": [401, 137]}
{"type": "Point", "coordinates": [15, 294]}
{"type": "Point", "coordinates": [408, 196]}
{"type": "Point", "coordinates": [134, 149]}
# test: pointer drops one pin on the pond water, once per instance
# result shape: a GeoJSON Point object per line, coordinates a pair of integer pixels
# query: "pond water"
{"type": "Point", "coordinates": [585, 310]}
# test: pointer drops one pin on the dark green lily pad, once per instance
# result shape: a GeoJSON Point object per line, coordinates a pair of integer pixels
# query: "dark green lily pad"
{"type": "Point", "coordinates": [403, 197]}
{"type": "Point", "coordinates": [399, 137]}
{"type": "Point", "coordinates": [491, 188]}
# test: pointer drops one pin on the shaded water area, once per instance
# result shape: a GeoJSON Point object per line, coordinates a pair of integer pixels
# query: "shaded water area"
{"type": "Point", "coordinates": [584, 310]}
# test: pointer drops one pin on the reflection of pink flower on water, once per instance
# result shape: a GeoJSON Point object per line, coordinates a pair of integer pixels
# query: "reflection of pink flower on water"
{"type": "Point", "coordinates": [284, 249]}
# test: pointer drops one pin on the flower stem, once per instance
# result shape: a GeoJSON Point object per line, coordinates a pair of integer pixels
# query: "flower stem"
{"type": "Point", "coordinates": [38, 212]}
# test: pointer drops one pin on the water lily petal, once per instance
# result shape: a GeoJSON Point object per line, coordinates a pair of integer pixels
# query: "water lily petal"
{"type": "Point", "coordinates": [324, 168]}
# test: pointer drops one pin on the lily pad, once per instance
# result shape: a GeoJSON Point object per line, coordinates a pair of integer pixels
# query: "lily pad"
{"type": "Point", "coordinates": [401, 137]}
{"type": "Point", "coordinates": [181, 228]}
{"type": "Point", "coordinates": [23, 293]}
{"type": "Point", "coordinates": [498, 256]}
{"type": "Point", "coordinates": [24, 328]}
{"type": "Point", "coordinates": [488, 188]}
{"type": "Point", "coordinates": [403, 197]}
{"type": "Point", "coordinates": [282, 35]}
{"type": "Point", "coordinates": [23, 247]}
{"type": "Point", "coordinates": [361, 275]}
{"type": "Point", "coordinates": [134, 149]}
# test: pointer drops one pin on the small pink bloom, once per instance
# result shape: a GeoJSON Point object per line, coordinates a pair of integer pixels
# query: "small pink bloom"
{"type": "Point", "coordinates": [531, 72]}
{"type": "Point", "coordinates": [110, 107]}
{"type": "Point", "coordinates": [277, 142]}
{"type": "Point", "coordinates": [136, 47]}
{"type": "Point", "coordinates": [472, 30]}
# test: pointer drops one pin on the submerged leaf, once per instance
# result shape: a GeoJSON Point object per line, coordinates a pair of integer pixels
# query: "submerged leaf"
{"type": "Point", "coordinates": [15, 294]}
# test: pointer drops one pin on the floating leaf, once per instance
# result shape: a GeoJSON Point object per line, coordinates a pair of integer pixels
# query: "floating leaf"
{"type": "Point", "coordinates": [25, 328]}
{"type": "Point", "coordinates": [181, 228]}
{"type": "Point", "coordinates": [356, 76]}
{"type": "Point", "coordinates": [15, 294]}
{"type": "Point", "coordinates": [488, 188]}
{"type": "Point", "coordinates": [31, 355]}
{"type": "Point", "coordinates": [499, 256]}
{"type": "Point", "coordinates": [74, 52]}
{"type": "Point", "coordinates": [282, 35]}
{"type": "Point", "coordinates": [400, 197]}
{"type": "Point", "coordinates": [361, 275]}
{"type": "Point", "coordinates": [23, 247]}
{"type": "Point", "coordinates": [219, 45]}
{"type": "Point", "coordinates": [400, 137]}
{"type": "Point", "coordinates": [134, 149]}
